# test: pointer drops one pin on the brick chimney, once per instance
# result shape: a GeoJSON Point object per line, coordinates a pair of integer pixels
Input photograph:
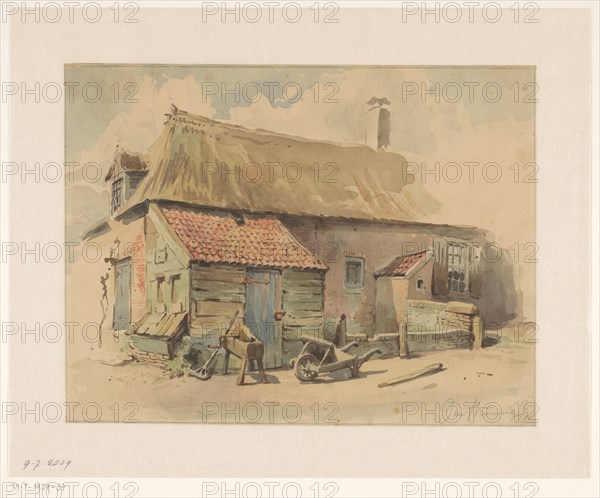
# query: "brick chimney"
{"type": "Point", "coordinates": [378, 123]}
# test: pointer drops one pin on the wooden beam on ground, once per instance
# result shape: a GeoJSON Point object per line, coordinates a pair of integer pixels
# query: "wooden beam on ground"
{"type": "Point", "coordinates": [436, 367]}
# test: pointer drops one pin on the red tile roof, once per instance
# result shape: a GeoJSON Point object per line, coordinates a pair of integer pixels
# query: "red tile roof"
{"type": "Point", "coordinates": [401, 265]}
{"type": "Point", "coordinates": [258, 241]}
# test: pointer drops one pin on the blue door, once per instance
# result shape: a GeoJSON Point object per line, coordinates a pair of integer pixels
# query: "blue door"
{"type": "Point", "coordinates": [122, 316]}
{"type": "Point", "coordinates": [259, 313]}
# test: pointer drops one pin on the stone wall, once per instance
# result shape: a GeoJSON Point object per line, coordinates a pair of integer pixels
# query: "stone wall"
{"type": "Point", "coordinates": [450, 320]}
{"type": "Point", "coordinates": [377, 243]}
{"type": "Point", "coordinates": [434, 326]}
{"type": "Point", "coordinates": [432, 316]}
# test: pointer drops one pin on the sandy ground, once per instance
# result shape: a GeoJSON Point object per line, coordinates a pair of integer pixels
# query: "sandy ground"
{"type": "Point", "coordinates": [490, 386]}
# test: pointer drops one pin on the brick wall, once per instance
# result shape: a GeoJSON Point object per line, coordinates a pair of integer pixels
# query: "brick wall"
{"type": "Point", "coordinates": [433, 325]}
{"type": "Point", "coordinates": [158, 360]}
{"type": "Point", "coordinates": [451, 320]}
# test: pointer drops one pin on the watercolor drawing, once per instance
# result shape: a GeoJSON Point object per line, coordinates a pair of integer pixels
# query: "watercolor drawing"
{"type": "Point", "coordinates": [297, 244]}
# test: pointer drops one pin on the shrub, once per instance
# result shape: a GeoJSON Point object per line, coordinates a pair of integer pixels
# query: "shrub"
{"type": "Point", "coordinates": [186, 357]}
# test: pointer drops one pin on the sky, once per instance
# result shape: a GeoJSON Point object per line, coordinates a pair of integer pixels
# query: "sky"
{"type": "Point", "coordinates": [445, 115]}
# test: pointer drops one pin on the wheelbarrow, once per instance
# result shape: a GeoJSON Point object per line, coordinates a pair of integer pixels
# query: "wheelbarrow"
{"type": "Point", "coordinates": [320, 357]}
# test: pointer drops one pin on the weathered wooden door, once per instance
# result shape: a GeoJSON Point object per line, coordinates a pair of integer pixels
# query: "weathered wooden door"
{"type": "Point", "coordinates": [263, 295]}
{"type": "Point", "coordinates": [122, 315]}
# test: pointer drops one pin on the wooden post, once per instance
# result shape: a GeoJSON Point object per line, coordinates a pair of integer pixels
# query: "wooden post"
{"type": "Point", "coordinates": [478, 332]}
{"type": "Point", "coordinates": [226, 362]}
{"type": "Point", "coordinates": [340, 332]}
{"type": "Point", "coordinates": [242, 375]}
{"type": "Point", "coordinates": [403, 340]}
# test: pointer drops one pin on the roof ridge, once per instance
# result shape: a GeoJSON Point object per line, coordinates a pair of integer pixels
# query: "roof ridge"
{"type": "Point", "coordinates": [183, 116]}
{"type": "Point", "coordinates": [414, 253]}
{"type": "Point", "coordinates": [324, 182]}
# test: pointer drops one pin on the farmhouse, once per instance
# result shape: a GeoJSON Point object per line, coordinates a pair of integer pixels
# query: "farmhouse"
{"type": "Point", "coordinates": [291, 233]}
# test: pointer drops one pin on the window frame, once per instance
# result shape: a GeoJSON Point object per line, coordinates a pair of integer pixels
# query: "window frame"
{"type": "Point", "coordinates": [422, 280]}
{"type": "Point", "coordinates": [457, 267]}
{"type": "Point", "coordinates": [160, 290]}
{"type": "Point", "coordinates": [176, 297]}
{"type": "Point", "coordinates": [116, 197]}
{"type": "Point", "coordinates": [361, 281]}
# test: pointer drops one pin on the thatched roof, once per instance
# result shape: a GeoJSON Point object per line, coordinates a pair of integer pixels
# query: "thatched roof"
{"type": "Point", "coordinates": [208, 163]}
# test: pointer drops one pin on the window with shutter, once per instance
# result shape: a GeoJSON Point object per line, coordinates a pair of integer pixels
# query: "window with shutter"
{"type": "Point", "coordinates": [475, 271]}
{"type": "Point", "coordinates": [440, 267]}
{"type": "Point", "coordinates": [457, 268]}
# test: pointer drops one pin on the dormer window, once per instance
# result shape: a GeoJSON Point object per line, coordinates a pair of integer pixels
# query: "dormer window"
{"type": "Point", "coordinates": [116, 195]}
{"type": "Point", "coordinates": [124, 175]}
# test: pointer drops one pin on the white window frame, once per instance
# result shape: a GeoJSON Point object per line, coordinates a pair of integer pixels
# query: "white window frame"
{"type": "Point", "coordinates": [458, 262]}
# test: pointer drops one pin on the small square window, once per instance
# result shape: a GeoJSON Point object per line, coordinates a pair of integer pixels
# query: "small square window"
{"type": "Point", "coordinates": [354, 273]}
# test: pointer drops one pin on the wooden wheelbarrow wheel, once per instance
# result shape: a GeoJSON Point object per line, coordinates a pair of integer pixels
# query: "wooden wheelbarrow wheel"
{"type": "Point", "coordinates": [306, 368]}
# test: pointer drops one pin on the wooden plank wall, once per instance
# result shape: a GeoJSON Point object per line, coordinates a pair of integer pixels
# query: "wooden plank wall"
{"type": "Point", "coordinates": [303, 303]}
{"type": "Point", "coordinates": [217, 292]}
{"type": "Point", "coordinates": [171, 264]}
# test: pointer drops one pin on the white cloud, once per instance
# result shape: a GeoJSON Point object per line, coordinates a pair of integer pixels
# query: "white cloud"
{"type": "Point", "coordinates": [427, 132]}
